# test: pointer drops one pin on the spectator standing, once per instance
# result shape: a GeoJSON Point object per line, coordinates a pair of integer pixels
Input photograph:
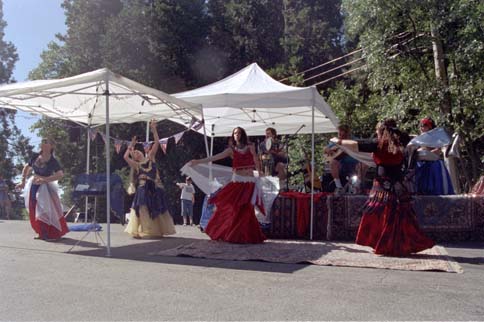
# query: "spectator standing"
{"type": "Point", "coordinates": [187, 199]}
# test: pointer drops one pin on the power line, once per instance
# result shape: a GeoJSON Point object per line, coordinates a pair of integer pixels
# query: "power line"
{"type": "Point", "coordinates": [324, 64]}
{"type": "Point", "coordinates": [329, 79]}
{"type": "Point", "coordinates": [333, 69]}
{"type": "Point", "coordinates": [402, 40]}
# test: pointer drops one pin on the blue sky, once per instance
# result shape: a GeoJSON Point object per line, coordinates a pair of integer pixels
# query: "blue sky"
{"type": "Point", "coordinates": [31, 25]}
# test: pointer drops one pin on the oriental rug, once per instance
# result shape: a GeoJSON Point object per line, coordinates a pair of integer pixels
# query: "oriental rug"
{"type": "Point", "coordinates": [316, 253]}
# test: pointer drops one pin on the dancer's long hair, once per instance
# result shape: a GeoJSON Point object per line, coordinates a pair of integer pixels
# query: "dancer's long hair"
{"type": "Point", "coordinates": [389, 136]}
{"type": "Point", "coordinates": [243, 136]}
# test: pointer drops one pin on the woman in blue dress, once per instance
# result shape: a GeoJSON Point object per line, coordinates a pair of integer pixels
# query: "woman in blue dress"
{"type": "Point", "coordinates": [41, 193]}
{"type": "Point", "coordinates": [149, 216]}
{"type": "Point", "coordinates": [431, 174]}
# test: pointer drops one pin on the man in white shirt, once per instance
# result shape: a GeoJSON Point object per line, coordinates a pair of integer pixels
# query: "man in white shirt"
{"type": "Point", "coordinates": [187, 199]}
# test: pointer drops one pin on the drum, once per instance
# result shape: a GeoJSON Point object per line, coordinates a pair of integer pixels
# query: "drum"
{"type": "Point", "coordinates": [268, 144]}
{"type": "Point", "coordinates": [267, 164]}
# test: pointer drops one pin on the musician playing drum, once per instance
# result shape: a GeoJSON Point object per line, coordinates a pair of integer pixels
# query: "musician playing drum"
{"type": "Point", "coordinates": [341, 165]}
{"type": "Point", "coordinates": [273, 155]}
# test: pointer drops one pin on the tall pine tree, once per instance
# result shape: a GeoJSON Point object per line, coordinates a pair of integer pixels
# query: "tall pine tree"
{"type": "Point", "coordinates": [12, 142]}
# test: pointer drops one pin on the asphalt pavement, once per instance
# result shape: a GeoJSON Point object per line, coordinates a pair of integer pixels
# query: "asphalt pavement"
{"type": "Point", "coordinates": [74, 280]}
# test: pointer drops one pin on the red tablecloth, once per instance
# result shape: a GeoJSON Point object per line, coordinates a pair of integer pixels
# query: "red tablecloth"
{"type": "Point", "coordinates": [303, 208]}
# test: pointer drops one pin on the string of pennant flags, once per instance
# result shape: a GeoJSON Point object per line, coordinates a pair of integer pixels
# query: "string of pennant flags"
{"type": "Point", "coordinates": [119, 143]}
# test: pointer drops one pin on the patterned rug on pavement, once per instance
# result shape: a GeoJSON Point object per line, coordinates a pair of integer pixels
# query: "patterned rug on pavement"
{"type": "Point", "coordinates": [317, 253]}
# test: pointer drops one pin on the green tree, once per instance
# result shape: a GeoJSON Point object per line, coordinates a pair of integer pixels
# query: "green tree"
{"type": "Point", "coordinates": [87, 23]}
{"type": "Point", "coordinates": [242, 33]}
{"type": "Point", "coordinates": [423, 57]}
{"type": "Point", "coordinates": [12, 142]}
{"type": "Point", "coordinates": [312, 32]}
{"type": "Point", "coordinates": [178, 40]}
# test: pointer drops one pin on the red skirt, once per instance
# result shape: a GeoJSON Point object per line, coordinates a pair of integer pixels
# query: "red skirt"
{"type": "Point", "coordinates": [44, 230]}
{"type": "Point", "coordinates": [234, 218]}
{"type": "Point", "coordinates": [389, 225]}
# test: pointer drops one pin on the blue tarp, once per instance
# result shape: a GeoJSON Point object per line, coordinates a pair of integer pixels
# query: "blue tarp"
{"type": "Point", "coordinates": [85, 227]}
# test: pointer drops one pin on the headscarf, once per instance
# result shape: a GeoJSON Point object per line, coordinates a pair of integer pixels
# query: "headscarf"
{"type": "Point", "coordinates": [427, 121]}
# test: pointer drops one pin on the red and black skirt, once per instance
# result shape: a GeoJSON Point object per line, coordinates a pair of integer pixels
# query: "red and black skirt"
{"type": "Point", "coordinates": [389, 224]}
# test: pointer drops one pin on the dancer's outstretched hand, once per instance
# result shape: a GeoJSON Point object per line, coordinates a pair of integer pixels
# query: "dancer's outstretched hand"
{"type": "Point", "coordinates": [20, 186]}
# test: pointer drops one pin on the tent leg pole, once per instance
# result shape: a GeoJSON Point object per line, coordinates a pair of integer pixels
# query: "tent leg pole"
{"type": "Point", "coordinates": [313, 170]}
{"type": "Point", "coordinates": [108, 173]}
{"type": "Point", "coordinates": [87, 169]}
{"type": "Point", "coordinates": [205, 133]}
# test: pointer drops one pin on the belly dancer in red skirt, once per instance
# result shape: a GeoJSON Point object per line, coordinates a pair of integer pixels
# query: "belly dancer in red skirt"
{"type": "Point", "coordinates": [234, 219]}
{"type": "Point", "coordinates": [389, 224]}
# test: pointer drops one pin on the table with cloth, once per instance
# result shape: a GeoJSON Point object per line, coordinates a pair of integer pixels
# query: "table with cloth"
{"type": "Point", "coordinates": [443, 218]}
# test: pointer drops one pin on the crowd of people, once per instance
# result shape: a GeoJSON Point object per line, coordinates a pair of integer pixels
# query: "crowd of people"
{"type": "Point", "coordinates": [388, 223]}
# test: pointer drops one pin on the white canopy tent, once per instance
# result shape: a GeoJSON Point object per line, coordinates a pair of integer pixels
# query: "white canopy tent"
{"type": "Point", "coordinates": [80, 99]}
{"type": "Point", "coordinates": [253, 100]}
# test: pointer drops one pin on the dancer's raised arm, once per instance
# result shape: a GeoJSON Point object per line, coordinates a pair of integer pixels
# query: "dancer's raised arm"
{"type": "Point", "coordinates": [156, 143]}
{"type": "Point", "coordinates": [128, 153]}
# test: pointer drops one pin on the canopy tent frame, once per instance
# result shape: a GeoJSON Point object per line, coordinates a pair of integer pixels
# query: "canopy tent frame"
{"type": "Point", "coordinates": [16, 96]}
{"type": "Point", "coordinates": [250, 98]}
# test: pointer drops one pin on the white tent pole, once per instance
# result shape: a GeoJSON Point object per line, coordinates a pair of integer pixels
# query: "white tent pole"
{"type": "Point", "coordinates": [312, 173]}
{"type": "Point", "coordinates": [210, 173]}
{"type": "Point", "coordinates": [108, 171]}
{"type": "Point", "coordinates": [211, 139]}
{"type": "Point", "coordinates": [147, 131]}
{"type": "Point", "coordinates": [87, 169]}
{"type": "Point", "coordinates": [211, 146]}
{"type": "Point", "coordinates": [205, 133]}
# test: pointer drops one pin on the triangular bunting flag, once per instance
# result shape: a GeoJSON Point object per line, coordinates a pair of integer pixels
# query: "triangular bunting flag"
{"type": "Point", "coordinates": [163, 144]}
{"type": "Point", "coordinates": [117, 145]}
{"type": "Point", "coordinates": [178, 136]}
{"type": "Point", "coordinates": [163, 147]}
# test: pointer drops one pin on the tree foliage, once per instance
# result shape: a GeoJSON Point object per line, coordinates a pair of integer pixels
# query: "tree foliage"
{"type": "Point", "coordinates": [312, 32]}
{"type": "Point", "coordinates": [423, 59]}
{"type": "Point", "coordinates": [12, 142]}
{"type": "Point", "coordinates": [244, 33]}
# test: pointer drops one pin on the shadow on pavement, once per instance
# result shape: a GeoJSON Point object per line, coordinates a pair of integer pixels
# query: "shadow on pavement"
{"type": "Point", "coordinates": [145, 251]}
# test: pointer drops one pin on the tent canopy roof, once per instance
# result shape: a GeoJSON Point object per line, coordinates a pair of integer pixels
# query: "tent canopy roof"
{"type": "Point", "coordinates": [250, 98]}
{"type": "Point", "coordinates": [79, 99]}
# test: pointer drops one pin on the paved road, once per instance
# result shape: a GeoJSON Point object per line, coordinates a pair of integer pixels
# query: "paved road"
{"type": "Point", "coordinates": [43, 281]}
